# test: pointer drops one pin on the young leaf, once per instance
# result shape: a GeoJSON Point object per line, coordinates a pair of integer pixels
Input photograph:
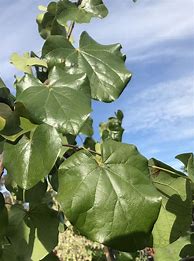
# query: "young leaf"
{"type": "Point", "coordinates": [25, 62]}
{"type": "Point", "coordinates": [30, 160]}
{"type": "Point", "coordinates": [103, 64]}
{"type": "Point", "coordinates": [47, 23]}
{"type": "Point", "coordinates": [64, 103]}
{"type": "Point", "coordinates": [102, 197]}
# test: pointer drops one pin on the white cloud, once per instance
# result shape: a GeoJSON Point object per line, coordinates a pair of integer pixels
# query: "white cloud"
{"type": "Point", "coordinates": [139, 27]}
{"type": "Point", "coordinates": [166, 110]}
{"type": "Point", "coordinates": [18, 32]}
{"type": "Point", "coordinates": [143, 25]}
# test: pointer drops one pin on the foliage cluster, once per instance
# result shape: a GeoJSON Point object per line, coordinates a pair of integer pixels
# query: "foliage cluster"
{"type": "Point", "coordinates": [107, 190]}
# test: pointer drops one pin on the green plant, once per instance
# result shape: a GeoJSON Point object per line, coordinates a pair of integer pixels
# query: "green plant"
{"type": "Point", "coordinates": [107, 190]}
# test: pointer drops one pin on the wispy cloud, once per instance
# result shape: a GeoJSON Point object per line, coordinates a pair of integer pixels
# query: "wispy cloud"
{"type": "Point", "coordinates": [166, 110]}
{"type": "Point", "coordinates": [18, 32]}
{"type": "Point", "coordinates": [143, 25]}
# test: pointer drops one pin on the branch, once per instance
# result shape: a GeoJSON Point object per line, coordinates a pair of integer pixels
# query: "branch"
{"type": "Point", "coordinates": [72, 25]}
{"type": "Point", "coordinates": [80, 148]}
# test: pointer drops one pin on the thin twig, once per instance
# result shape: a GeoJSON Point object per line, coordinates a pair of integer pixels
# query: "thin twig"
{"type": "Point", "coordinates": [80, 148]}
{"type": "Point", "coordinates": [72, 25]}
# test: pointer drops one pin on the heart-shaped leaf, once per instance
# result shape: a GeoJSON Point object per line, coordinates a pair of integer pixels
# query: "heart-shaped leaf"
{"type": "Point", "coordinates": [68, 11]}
{"type": "Point", "coordinates": [30, 160]}
{"type": "Point", "coordinates": [103, 64]}
{"type": "Point", "coordinates": [176, 212]}
{"type": "Point", "coordinates": [64, 102]}
{"type": "Point", "coordinates": [106, 197]}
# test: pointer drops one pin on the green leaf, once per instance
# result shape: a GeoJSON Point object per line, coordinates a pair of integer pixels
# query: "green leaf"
{"type": "Point", "coordinates": [9, 120]}
{"type": "Point", "coordinates": [181, 248]}
{"type": "Point", "coordinates": [89, 143]}
{"type": "Point", "coordinates": [103, 64]}
{"type": "Point", "coordinates": [112, 129]}
{"type": "Point", "coordinates": [176, 212]}
{"type": "Point", "coordinates": [34, 195]}
{"type": "Point", "coordinates": [32, 234]}
{"type": "Point", "coordinates": [25, 126]}
{"type": "Point", "coordinates": [5, 95]}
{"type": "Point", "coordinates": [64, 103]}
{"type": "Point", "coordinates": [47, 23]}
{"type": "Point", "coordinates": [2, 123]}
{"type": "Point", "coordinates": [24, 63]}
{"type": "Point", "coordinates": [42, 8]}
{"type": "Point", "coordinates": [30, 160]}
{"type": "Point", "coordinates": [188, 160]}
{"type": "Point", "coordinates": [102, 197]}
{"type": "Point", "coordinates": [3, 217]}
{"type": "Point", "coordinates": [68, 11]}
{"type": "Point", "coordinates": [87, 128]}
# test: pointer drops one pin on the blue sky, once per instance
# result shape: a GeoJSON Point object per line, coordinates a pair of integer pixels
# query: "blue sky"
{"type": "Point", "coordinates": [158, 39]}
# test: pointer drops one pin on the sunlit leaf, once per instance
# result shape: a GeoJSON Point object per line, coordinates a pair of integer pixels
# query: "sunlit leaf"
{"type": "Point", "coordinates": [63, 103]}
{"type": "Point", "coordinates": [176, 212]}
{"type": "Point", "coordinates": [103, 64]}
{"type": "Point", "coordinates": [68, 11]}
{"type": "Point", "coordinates": [31, 159]}
{"type": "Point", "coordinates": [102, 196]}
{"type": "Point", "coordinates": [25, 62]}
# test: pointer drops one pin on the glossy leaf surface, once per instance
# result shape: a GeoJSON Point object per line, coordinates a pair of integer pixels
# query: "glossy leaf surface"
{"type": "Point", "coordinates": [63, 103]}
{"type": "Point", "coordinates": [30, 160]}
{"type": "Point", "coordinates": [105, 198]}
{"type": "Point", "coordinates": [176, 212]}
{"type": "Point", "coordinates": [68, 11]}
{"type": "Point", "coordinates": [103, 64]}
